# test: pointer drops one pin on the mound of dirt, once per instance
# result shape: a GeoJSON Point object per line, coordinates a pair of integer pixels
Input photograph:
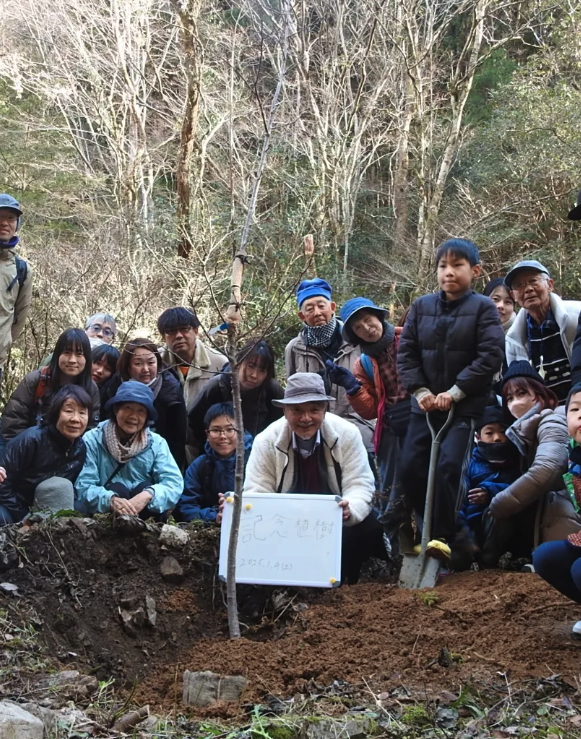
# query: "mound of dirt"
{"type": "Point", "coordinates": [101, 601]}
{"type": "Point", "coordinates": [103, 607]}
{"type": "Point", "coordinates": [481, 624]}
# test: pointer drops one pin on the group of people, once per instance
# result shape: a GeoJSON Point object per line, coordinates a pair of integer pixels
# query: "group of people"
{"type": "Point", "coordinates": [150, 430]}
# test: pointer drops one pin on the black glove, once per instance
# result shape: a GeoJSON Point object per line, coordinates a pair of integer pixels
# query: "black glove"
{"type": "Point", "coordinates": [342, 377]}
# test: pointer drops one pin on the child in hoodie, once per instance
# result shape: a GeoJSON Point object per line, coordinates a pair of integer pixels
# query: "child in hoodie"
{"type": "Point", "coordinates": [212, 474]}
{"type": "Point", "coordinates": [493, 467]}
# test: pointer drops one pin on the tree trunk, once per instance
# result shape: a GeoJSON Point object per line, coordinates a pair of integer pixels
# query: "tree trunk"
{"type": "Point", "coordinates": [460, 87]}
{"type": "Point", "coordinates": [188, 12]}
{"type": "Point", "coordinates": [234, 319]}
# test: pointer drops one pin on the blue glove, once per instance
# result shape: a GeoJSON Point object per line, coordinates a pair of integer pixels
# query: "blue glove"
{"type": "Point", "coordinates": [342, 377]}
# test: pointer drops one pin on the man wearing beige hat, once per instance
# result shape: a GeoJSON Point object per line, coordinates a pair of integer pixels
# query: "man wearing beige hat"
{"type": "Point", "coordinates": [312, 451]}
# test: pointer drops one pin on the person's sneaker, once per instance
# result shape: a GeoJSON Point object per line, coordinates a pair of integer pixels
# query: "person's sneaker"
{"type": "Point", "coordinates": [438, 549]}
{"type": "Point", "coordinates": [576, 630]}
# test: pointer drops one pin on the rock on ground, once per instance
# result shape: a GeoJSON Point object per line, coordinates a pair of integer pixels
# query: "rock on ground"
{"type": "Point", "coordinates": [15, 723]}
{"type": "Point", "coordinates": [171, 536]}
{"type": "Point", "coordinates": [203, 688]}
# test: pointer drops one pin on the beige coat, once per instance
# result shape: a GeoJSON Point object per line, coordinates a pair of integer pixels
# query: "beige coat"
{"type": "Point", "coordinates": [206, 364]}
{"type": "Point", "coordinates": [301, 358]}
{"type": "Point", "coordinates": [14, 304]}
{"type": "Point", "coordinates": [541, 438]}
{"type": "Point", "coordinates": [271, 463]}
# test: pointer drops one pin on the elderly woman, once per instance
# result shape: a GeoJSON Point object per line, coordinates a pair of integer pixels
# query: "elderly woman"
{"type": "Point", "coordinates": [141, 361]}
{"type": "Point", "coordinates": [312, 451]}
{"type": "Point", "coordinates": [129, 469]}
{"type": "Point", "coordinates": [40, 465]}
{"type": "Point", "coordinates": [535, 507]}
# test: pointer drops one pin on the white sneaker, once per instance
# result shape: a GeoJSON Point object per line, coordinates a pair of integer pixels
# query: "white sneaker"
{"type": "Point", "coordinates": [576, 630]}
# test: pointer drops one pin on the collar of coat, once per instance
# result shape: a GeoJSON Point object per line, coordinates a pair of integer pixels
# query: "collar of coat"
{"type": "Point", "coordinates": [523, 432]}
{"type": "Point", "coordinates": [518, 330]}
{"type": "Point", "coordinates": [201, 361]}
{"type": "Point", "coordinates": [284, 441]}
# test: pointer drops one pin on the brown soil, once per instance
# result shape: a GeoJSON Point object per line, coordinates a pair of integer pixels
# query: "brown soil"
{"type": "Point", "coordinates": [490, 622]}
{"type": "Point", "coordinates": [78, 579]}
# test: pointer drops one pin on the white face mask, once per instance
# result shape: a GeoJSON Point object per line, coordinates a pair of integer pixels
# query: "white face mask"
{"type": "Point", "coordinates": [518, 406]}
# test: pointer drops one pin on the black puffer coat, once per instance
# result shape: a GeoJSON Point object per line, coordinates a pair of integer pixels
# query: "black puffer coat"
{"type": "Point", "coordinates": [257, 408]}
{"type": "Point", "coordinates": [34, 456]}
{"type": "Point", "coordinates": [25, 410]}
{"type": "Point", "coordinates": [446, 343]}
{"type": "Point", "coordinates": [172, 420]}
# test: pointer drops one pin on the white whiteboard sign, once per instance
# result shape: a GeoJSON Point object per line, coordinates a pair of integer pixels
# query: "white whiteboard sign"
{"type": "Point", "coordinates": [285, 539]}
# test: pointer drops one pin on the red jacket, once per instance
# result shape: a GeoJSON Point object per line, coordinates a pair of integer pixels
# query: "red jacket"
{"type": "Point", "coordinates": [370, 400]}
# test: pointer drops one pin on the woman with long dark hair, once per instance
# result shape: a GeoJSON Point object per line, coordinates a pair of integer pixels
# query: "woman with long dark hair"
{"type": "Point", "coordinates": [258, 388]}
{"type": "Point", "coordinates": [70, 365]}
{"type": "Point", "coordinates": [140, 360]}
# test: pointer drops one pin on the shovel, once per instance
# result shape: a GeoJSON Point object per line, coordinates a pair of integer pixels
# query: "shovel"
{"type": "Point", "coordinates": [418, 570]}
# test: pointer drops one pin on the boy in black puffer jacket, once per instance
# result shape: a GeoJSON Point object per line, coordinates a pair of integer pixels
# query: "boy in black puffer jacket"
{"type": "Point", "coordinates": [451, 347]}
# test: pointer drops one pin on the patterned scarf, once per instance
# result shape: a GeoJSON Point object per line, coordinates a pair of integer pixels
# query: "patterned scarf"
{"type": "Point", "coordinates": [320, 336]}
{"type": "Point", "coordinates": [117, 449]}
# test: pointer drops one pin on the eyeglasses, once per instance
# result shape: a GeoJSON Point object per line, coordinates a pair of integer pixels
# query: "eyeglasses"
{"type": "Point", "coordinates": [534, 282]}
{"type": "Point", "coordinates": [216, 432]}
{"type": "Point", "coordinates": [179, 330]}
{"type": "Point", "coordinates": [97, 328]}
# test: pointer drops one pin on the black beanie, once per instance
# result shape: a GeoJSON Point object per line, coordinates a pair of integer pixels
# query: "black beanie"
{"type": "Point", "coordinates": [492, 414]}
{"type": "Point", "coordinates": [573, 391]}
{"type": "Point", "coordinates": [521, 368]}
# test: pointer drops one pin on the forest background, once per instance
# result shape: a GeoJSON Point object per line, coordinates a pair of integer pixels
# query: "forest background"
{"type": "Point", "coordinates": [134, 131]}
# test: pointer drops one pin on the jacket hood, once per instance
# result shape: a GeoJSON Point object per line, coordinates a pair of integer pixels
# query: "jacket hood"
{"type": "Point", "coordinates": [523, 432]}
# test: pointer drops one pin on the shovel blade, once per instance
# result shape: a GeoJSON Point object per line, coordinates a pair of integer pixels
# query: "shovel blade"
{"type": "Point", "coordinates": [418, 572]}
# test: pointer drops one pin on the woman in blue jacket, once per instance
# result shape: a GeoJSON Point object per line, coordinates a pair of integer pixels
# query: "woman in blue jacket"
{"type": "Point", "coordinates": [129, 469]}
{"type": "Point", "coordinates": [212, 473]}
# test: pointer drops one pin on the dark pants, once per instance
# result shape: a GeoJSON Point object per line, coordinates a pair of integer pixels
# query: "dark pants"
{"type": "Point", "coordinates": [515, 534]}
{"type": "Point", "coordinates": [7, 516]}
{"type": "Point", "coordinates": [453, 459]}
{"type": "Point", "coordinates": [559, 564]}
{"type": "Point", "coordinates": [360, 542]}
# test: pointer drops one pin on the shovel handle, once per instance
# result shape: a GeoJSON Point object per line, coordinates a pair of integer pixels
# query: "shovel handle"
{"type": "Point", "coordinates": [430, 491]}
{"type": "Point", "coordinates": [437, 437]}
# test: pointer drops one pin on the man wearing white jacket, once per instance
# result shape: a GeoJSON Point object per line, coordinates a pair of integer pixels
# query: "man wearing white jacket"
{"type": "Point", "coordinates": [544, 330]}
{"type": "Point", "coordinates": [312, 451]}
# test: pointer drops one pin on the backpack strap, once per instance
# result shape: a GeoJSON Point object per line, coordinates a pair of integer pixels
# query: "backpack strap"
{"type": "Point", "coordinates": [367, 365]}
{"type": "Point", "coordinates": [21, 273]}
{"type": "Point", "coordinates": [42, 385]}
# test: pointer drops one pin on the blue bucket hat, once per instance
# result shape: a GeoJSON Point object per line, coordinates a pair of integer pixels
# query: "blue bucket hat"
{"type": "Point", "coordinates": [134, 392]}
{"type": "Point", "coordinates": [311, 288]}
{"type": "Point", "coordinates": [350, 308]}
{"type": "Point", "coordinates": [10, 203]}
